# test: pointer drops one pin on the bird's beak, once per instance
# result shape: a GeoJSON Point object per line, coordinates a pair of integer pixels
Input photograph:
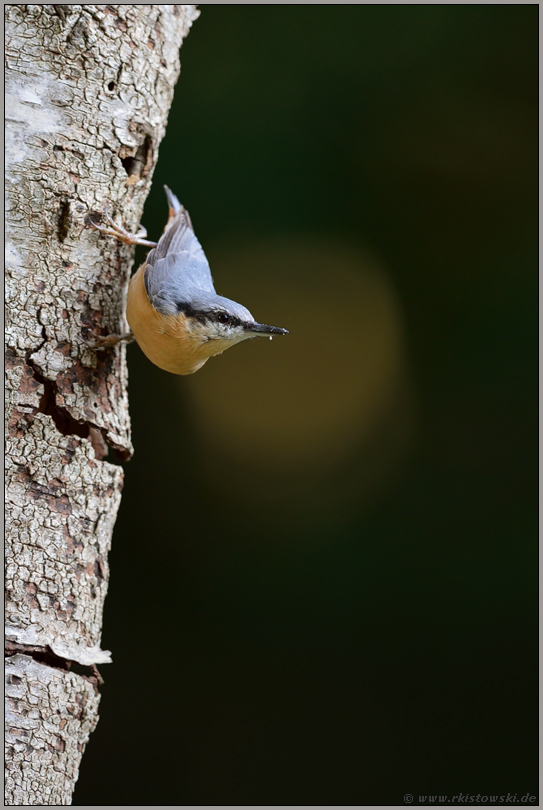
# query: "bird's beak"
{"type": "Point", "coordinates": [263, 330]}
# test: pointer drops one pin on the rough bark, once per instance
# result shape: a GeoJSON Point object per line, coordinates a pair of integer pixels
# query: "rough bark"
{"type": "Point", "coordinates": [88, 90]}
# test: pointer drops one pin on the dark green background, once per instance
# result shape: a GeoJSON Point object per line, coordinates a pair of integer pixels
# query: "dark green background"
{"type": "Point", "coordinates": [394, 650]}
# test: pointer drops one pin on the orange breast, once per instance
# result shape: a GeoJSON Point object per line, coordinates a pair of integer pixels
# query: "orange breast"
{"type": "Point", "coordinates": [162, 338]}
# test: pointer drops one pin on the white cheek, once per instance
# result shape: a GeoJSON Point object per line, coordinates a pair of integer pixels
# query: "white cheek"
{"type": "Point", "coordinates": [218, 331]}
{"type": "Point", "coordinates": [197, 331]}
{"type": "Point", "coordinates": [204, 332]}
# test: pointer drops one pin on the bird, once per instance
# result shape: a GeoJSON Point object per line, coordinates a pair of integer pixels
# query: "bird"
{"type": "Point", "coordinates": [173, 310]}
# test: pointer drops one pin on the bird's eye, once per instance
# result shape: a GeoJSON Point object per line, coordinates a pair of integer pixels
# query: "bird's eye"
{"type": "Point", "coordinates": [222, 317]}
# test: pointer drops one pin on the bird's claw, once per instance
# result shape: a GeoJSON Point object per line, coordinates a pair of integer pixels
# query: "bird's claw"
{"type": "Point", "coordinates": [121, 233]}
{"type": "Point", "coordinates": [100, 344]}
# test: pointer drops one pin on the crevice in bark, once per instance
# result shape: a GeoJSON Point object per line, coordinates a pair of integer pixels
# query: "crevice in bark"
{"type": "Point", "coordinates": [69, 426]}
{"type": "Point", "coordinates": [61, 11]}
{"type": "Point", "coordinates": [44, 655]}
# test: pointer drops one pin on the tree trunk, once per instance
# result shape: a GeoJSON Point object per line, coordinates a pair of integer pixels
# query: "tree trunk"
{"type": "Point", "coordinates": [88, 90]}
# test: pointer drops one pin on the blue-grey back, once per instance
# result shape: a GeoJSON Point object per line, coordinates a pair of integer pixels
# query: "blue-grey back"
{"type": "Point", "coordinates": [177, 268]}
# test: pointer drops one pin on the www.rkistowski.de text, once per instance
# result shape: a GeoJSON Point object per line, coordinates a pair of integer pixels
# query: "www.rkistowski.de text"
{"type": "Point", "coordinates": [476, 798]}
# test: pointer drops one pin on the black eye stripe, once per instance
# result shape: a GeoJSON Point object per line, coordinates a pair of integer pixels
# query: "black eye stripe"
{"type": "Point", "coordinates": [190, 312]}
{"type": "Point", "coordinates": [219, 316]}
{"type": "Point", "coordinates": [224, 317]}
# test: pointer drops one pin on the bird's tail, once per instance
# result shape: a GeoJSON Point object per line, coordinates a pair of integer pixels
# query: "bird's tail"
{"type": "Point", "coordinates": [177, 211]}
{"type": "Point", "coordinates": [173, 202]}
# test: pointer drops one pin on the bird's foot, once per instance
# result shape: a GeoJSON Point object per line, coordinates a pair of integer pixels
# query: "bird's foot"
{"type": "Point", "coordinates": [100, 344]}
{"type": "Point", "coordinates": [121, 233]}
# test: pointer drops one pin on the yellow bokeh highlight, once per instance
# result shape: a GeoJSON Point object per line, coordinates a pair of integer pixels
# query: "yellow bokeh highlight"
{"type": "Point", "coordinates": [311, 397]}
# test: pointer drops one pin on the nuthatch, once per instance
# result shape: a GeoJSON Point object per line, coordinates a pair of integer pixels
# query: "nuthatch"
{"type": "Point", "coordinates": [174, 313]}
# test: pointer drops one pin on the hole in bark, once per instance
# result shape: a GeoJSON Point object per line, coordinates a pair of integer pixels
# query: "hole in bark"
{"type": "Point", "coordinates": [111, 87]}
{"type": "Point", "coordinates": [138, 164]}
{"type": "Point", "coordinates": [64, 220]}
{"type": "Point", "coordinates": [129, 165]}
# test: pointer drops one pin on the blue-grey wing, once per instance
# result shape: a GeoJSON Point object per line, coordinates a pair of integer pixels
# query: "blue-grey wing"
{"type": "Point", "coordinates": [177, 265]}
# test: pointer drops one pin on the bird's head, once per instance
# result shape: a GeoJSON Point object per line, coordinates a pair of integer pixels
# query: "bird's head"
{"type": "Point", "coordinates": [220, 323]}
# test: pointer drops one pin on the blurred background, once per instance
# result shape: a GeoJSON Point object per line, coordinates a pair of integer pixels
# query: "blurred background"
{"type": "Point", "coordinates": [324, 585]}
